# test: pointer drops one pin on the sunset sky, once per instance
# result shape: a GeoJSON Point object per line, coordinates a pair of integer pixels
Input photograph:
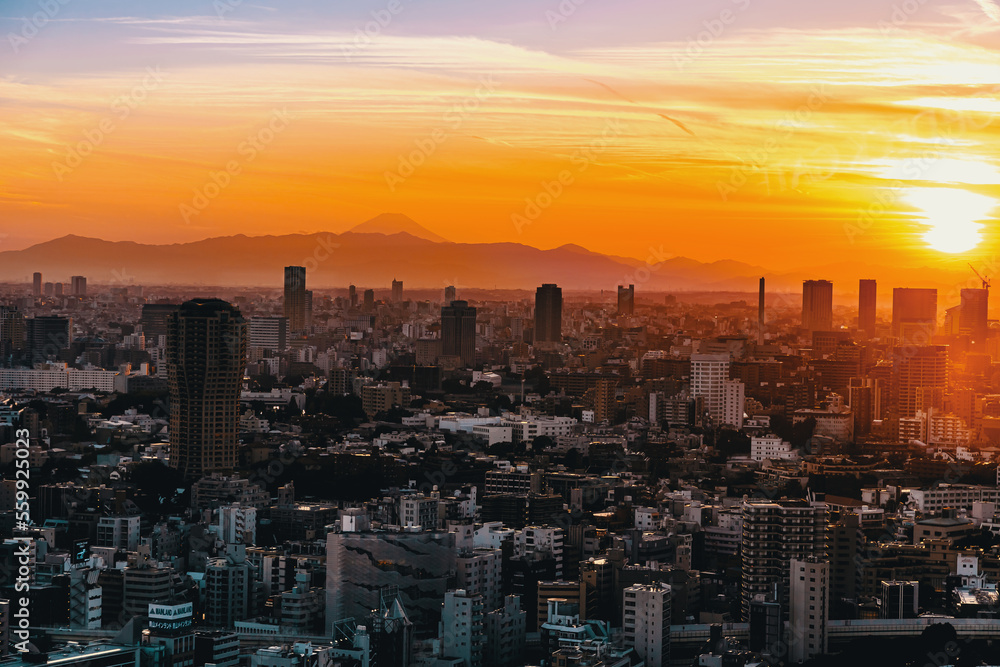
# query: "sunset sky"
{"type": "Point", "coordinates": [777, 132]}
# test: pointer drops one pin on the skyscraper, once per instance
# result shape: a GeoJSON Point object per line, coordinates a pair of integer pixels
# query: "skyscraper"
{"type": "Point", "coordinates": [369, 303]}
{"type": "Point", "coordinates": [11, 330]}
{"type": "Point", "coordinates": [914, 314]}
{"type": "Point", "coordinates": [268, 332]}
{"type": "Point", "coordinates": [548, 314]}
{"type": "Point", "coordinates": [760, 313]}
{"type": "Point", "coordinates": [626, 300]}
{"type": "Point", "coordinates": [974, 314]}
{"type": "Point", "coordinates": [867, 299]}
{"type": "Point", "coordinates": [295, 297]}
{"type": "Point", "coordinates": [206, 355]}
{"type": "Point", "coordinates": [450, 293]}
{"type": "Point", "coordinates": [817, 305]}
{"type": "Point", "coordinates": [920, 378]}
{"type": "Point", "coordinates": [709, 373]}
{"type": "Point", "coordinates": [36, 284]}
{"type": "Point", "coordinates": [155, 317]}
{"type": "Point", "coordinates": [353, 296]}
{"type": "Point", "coordinates": [78, 285]}
{"type": "Point", "coordinates": [46, 336]}
{"type": "Point", "coordinates": [458, 332]}
{"type": "Point", "coordinates": [397, 291]}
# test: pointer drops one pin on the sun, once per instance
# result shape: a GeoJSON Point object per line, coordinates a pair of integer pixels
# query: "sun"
{"type": "Point", "coordinates": [954, 217]}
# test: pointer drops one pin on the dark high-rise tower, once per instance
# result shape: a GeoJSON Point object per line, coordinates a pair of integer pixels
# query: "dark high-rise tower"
{"type": "Point", "coordinates": [46, 336]}
{"type": "Point", "coordinates": [36, 284]}
{"type": "Point", "coordinates": [458, 332]}
{"type": "Point", "coordinates": [78, 285]}
{"type": "Point", "coordinates": [450, 293]}
{"type": "Point", "coordinates": [352, 292]}
{"type": "Point", "coordinates": [397, 291]}
{"type": "Point", "coordinates": [760, 314]}
{"type": "Point", "coordinates": [369, 304]}
{"type": "Point", "coordinates": [548, 314]}
{"type": "Point", "coordinates": [914, 314]}
{"type": "Point", "coordinates": [295, 297]}
{"type": "Point", "coordinates": [626, 300]}
{"type": "Point", "coordinates": [974, 314]}
{"type": "Point", "coordinates": [817, 305]}
{"type": "Point", "coordinates": [154, 320]}
{"type": "Point", "coordinates": [206, 355]}
{"type": "Point", "coordinates": [867, 298]}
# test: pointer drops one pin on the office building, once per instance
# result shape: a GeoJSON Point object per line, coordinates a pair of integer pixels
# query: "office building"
{"type": "Point", "coordinates": [12, 330]}
{"type": "Point", "coordinates": [974, 315]}
{"type": "Point", "coordinates": [397, 291]}
{"type": "Point", "coordinates": [900, 599]}
{"type": "Point", "coordinates": [352, 295]}
{"type": "Point", "coordinates": [418, 564]}
{"type": "Point", "coordinates": [206, 355]}
{"type": "Point", "coordinates": [270, 333]}
{"type": "Point", "coordinates": [450, 294]}
{"type": "Point", "coordinates": [867, 302]}
{"type": "Point", "coordinates": [154, 320]}
{"type": "Point", "coordinates": [228, 588]}
{"type": "Point", "coordinates": [626, 300]}
{"type": "Point", "coordinates": [817, 305]}
{"type": "Point", "coordinates": [914, 314]}
{"type": "Point", "coordinates": [78, 285]}
{"type": "Point", "coordinates": [506, 629]}
{"type": "Point", "coordinates": [46, 336]}
{"type": "Point", "coordinates": [809, 608]}
{"type": "Point", "coordinates": [548, 314]}
{"type": "Point", "coordinates": [36, 284]}
{"type": "Point", "coordinates": [295, 297]}
{"type": "Point", "coordinates": [733, 403]}
{"type": "Point", "coordinates": [458, 332]}
{"type": "Point", "coordinates": [369, 301]}
{"type": "Point", "coordinates": [646, 622]}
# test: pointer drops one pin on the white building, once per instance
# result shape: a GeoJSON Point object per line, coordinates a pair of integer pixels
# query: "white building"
{"type": "Point", "coordinates": [269, 333]}
{"type": "Point", "coordinates": [462, 628]}
{"type": "Point", "coordinates": [646, 622]}
{"type": "Point", "coordinates": [121, 532]}
{"type": "Point", "coordinates": [238, 524]}
{"type": "Point", "coordinates": [771, 447]}
{"type": "Point", "coordinates": [478, 572]}
{"type": "Point", "coordinates": [709, 373]}
{"type": "Point", "coordinates": [733, 403]}
{"type": "Point", "coordinates": [809, 608]}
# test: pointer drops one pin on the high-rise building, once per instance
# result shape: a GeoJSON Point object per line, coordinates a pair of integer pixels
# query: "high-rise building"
{"type": "Point", "coordinates": [914, 314]}
{"type": "Point", "coordinates": [817, 305]}
{"type": "Point", "coordinates": [774, 533]}
{"type": "Point", "coordinates": [154, 319]}
{"type": "Point", "coordinates": [49, 289]}
{"type": "Point", "coordinates": [352, 293]}
{"type": "Point", "coordinates": [709, 373]}
{"type": "Point", "coordinates": [505, 634]}
{"type": "Point", "coordinates": [479, 572]}
{"type": "Point", "coordinates": [920, 378]}
{"type": "Point", "coordinates": [206, 355]}
{"type": "Point", "coordinates": [760, 313]}
{"type": "Point", "coordinates": [268, 332]}
{"type": "Point", "coordinates": [548, 314]}
{"type": "Point", "coordinates": [369, 301]}
{"type": "Point", "coordinates": [36, 284]}
{"type": "Point", "coordinates": [974, 314]}
{"type": "Point", "coordinates": [46, 336]}
{"type": "Point", "coordinates": [646, 622]}
{"type": "Point", "coordinates": [228, 588]}
{"type": "Point", "coordinates": [458, 332]}
{"type": "Point", "coordinates": [463, 628]}
{"type": "Point", "coordinates": [626, 300]}
{"type": "Point", "coordinates": [450, 294]}
{"type": "Point", "coordinates": [12, 330]}
{"type": "Point", "coordinates": [809, 608]}
{"type": "Point", "coordinates": [397, 291]}
{"type": "Point", "coordinates": [78, 285]}
{"type": "Point", "coordinates": [733, 403]}
{"type": "Point", "coordinates": [606, 401]}
{"type": "Point", "coordinates": [867, 301]}
{"type": "Point", "coordinates": [60, 289]}
{"type": "Point", "coordinates": [295, 297]}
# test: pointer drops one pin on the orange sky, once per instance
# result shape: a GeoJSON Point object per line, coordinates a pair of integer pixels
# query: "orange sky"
{"type": "Point", "coordinates": [776, 145]}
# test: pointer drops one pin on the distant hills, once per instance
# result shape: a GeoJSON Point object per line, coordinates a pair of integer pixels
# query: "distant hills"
{"type": "Point", "coordinates": [394, 246]}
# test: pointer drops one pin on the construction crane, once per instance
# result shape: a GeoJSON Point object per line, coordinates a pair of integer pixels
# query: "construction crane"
{"type": "Point", "coordinates": [986, 283]}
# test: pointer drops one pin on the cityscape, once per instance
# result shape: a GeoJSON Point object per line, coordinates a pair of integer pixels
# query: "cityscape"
{"type": "Point", "coordinates": [526, 334]}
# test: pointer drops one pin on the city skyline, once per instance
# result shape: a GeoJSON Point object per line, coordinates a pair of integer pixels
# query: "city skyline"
{"type": "Point", "coordinates": [729, 118]}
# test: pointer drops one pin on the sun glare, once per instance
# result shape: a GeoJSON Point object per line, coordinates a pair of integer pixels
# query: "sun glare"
{"type": "Point", "coordinates": [954, 217]}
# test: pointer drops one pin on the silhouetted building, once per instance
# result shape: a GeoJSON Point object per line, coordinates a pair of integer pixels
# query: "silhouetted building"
{"type": "Point", "coordinates": [369, 305]}
{"type": "Point", "coordinates": [626, 300]}
{"type": "Point", "coordinates": [548, 314]}
{"type": "Point", "coordinates": [458, 332]}
{"type": "Point", "coordinates": [817, 305]}
{"type": "Point", "coordinates": [974, 314]}
{"type": "Point", "coordinates": [47, 335]}
{"type": "Point", "coordinates": [78, 285]}
{"type": "Point", "coordinates": [397, 291]}
{"type": "Point", "coordinates": [206, 355]}
{"type": "Point", "coordinates": [154, 320]}
{"type": "Point", "coordinates": [914, 314]}
{"type": "Point", "coordinates": [36, 284]}
{"type": "Point", "coordinates": [867, 301]}
{"type": "Point", "coordinates": [295, 297]}
{"type": "Point", "coordinates": [450, 294]}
